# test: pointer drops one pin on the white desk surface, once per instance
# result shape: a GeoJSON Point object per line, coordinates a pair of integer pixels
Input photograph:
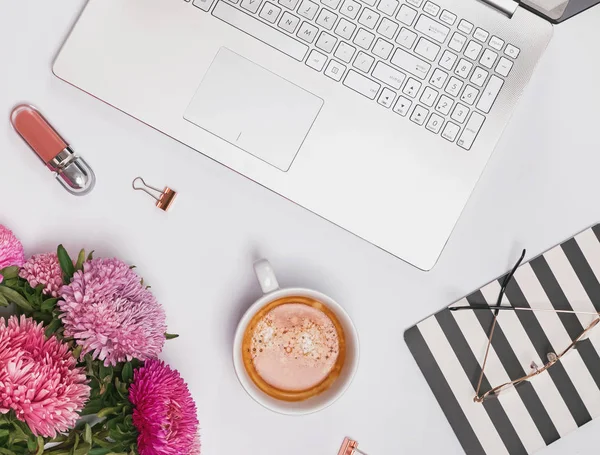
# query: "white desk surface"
{"type": "Point", "coordinates": [537, 190]}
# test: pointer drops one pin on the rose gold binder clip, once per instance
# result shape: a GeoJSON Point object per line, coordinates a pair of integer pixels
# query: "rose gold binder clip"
{"type": "Point", "coordinates": [350, 447]}
{"type": "Point", "coordinates": [164, 198]}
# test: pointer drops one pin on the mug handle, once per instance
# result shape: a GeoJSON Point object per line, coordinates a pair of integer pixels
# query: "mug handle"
{"type": "Point", "coordinates": [266, 276]}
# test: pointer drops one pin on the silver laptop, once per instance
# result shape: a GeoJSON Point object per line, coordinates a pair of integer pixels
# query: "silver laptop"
{"type": "Point", "coordinates": [378, 115]}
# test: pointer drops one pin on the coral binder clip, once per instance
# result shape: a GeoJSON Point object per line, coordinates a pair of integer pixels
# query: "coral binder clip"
{"type": "Point", "coordinates": [350, 447]}
{"type": "Point", "coordinates": [164, 198]}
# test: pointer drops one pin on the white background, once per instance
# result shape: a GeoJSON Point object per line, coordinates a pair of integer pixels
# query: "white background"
{"type": "Point", "coordinates": [539, 188]}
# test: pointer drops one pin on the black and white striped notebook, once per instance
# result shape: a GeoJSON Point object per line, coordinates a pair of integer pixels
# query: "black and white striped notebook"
{"type": "Point", "coordinates": [449, 348]}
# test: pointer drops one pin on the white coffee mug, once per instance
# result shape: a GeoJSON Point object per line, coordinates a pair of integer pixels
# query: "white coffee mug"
{"type": "Point", "coordinates": [271, 292]}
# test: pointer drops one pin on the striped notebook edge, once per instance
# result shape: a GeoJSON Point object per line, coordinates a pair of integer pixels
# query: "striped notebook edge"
{"type": "Point", "coordinates": [449, 348]}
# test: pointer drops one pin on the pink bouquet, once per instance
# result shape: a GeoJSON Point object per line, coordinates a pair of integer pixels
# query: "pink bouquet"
{"type": "Point", "coordinates": [79, 368]}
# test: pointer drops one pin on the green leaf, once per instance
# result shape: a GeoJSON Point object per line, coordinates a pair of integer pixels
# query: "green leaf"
{"type": "Point", "coordinates": [66, 264]}
{"type": "Point", "coordinates": [40, 446]}
{"type": "Point", "coordinates": [3, 301]}
{"type": "Point", "coordinates": [108, 411]}
{"type": "Point", "coordinates": [53, 327]}
{"type": "Point", "coordinates": [6, 452]}
{"type": "Point", "coordinates": [127, 373]}
{"type": "Point", "coordinates": [48, 305]}
{"type": "Point", "coordinates": [16, 298]}
{"type": "Point", "coordinates": [99, 451]}
{"type": "Point", "coordinates": [77, 352]}
{"type": "Point", "coordinates": [171, 336]}
{"type": "Point", "coordinates": [32, 444]}
{"type": "Point", "coordinates": [87, 436]}
{"type": "Point", "coordinates": [10, 272]}
{"type": "Point", "coordinates": [90, 256]}
{"type": "Point", "coordinates": [80, 260]}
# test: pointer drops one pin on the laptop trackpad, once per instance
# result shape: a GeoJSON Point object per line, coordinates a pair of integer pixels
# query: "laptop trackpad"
{"type": "Point", "coordinates": [253, 109]}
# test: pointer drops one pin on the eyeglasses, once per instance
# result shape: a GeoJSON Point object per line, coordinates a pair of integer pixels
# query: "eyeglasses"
{"type": "Point", "coordinates": [552, 357]}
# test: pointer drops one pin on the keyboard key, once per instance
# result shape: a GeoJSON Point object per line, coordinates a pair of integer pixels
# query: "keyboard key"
{"type": "Point", "coordinates": [402, 106]}
{"type": "Point", "coordinates": [435, 123]}
{"type": "Point", "coordinates": [382, 48]}
{"type": "Point", "coordinates": [362, 84]}
{"type": "Point", "coordinates": [451, 131]}
{"type": "Point", "coordinates": [406, 15]}
{"type": "Point", "coordinates": [496, 43]}
{"type": "Point", "coordinates": [308, 9]}
{"type": "Point", "coordinates": [412, 88]}
{"type": "Point", "coordinates": [481, 35]}
{"type": "Point", "coordinates": [465, 27]}
{"type": "Point", "coordinates": [463, 68]}
{"type": "Point", "coordinates": [370, 2]}
{"type": "Point", "coordinates": [333, 4]}
{"type": "Point", "coordinates": [504, 67]}
{"type": "Point", "coordinates": [454, 86]}
{"type": "Point", "coordinates": [488, 58]}
{"type": "Point", "coordinates": [345, 52]}
{"type": "Point", "coordinates": [431, 8]}
{"type": "Point", "coordinates": [415, 3]}
{"type": "Point", "coordinates": [387, 28]}
{"type": "Point", "coordinates": [316, 60]}
{"type": "Point", "coordinates": [288, 22]}
{"type": "Point", "coordinates": [307, 32]}
{"type": "Point", "coordinates": [438, 78]}
{"type": "Point", "coordinates": [260, 31]}
{"type": "Point", "coordinates": [444, 105]}
{"type": "Point", "coordinates": [369, 18]}
{"type": "Point", "coordinates": [406, 38]}
{"type": "Point", "coordinates": [448, 60]}
{"type": "Point", "coordinates": [427, 49]}
{"type": "Point", "coordinates": [364, 39]}
{"type": "Point", "coordinates": [204, 5]}
{"type": "Point", "coordinates": [428, 97]}
{"type": "Point", "coordinates": [350, 9]}
{"type": "Point", "coordinates": [326, 19]}
{"type": "Point", "coordinates": [411, 64]}
{"type": "Point", "coordinates": [270, 12]}
{"type": "Point", "coordinates": [469, 95]}
{"type": "Point", "coordinates": [471, 131]}
{"type": "Point", "coordinates": [479, 76]}
{"type": "Point", "coordinates": [432, 29]}
{"type": "Point", "coordinates": [448, 17]}
{"type": "Point", "coordinates": [460, 113]}
{"type": "Point", "coordinates": [386, 98]}
{"type": "Point", "coordinates": [345, 28]}
{"type": "Point", "coordinates": [473, 50]}
{"type": "Point", "coordinates": [251, 5]}
{"type": "Point", "coordinates": [363, 62]}
{"type": "Point", "coordinates": [512, 51]}
{"type": "Point", "coordinates": [388, 75]}
{"type": "Point", "coordinates": [457, 43]}
{"type": "Point", "coordinates": [326, 42]}
{"type": "Point", "coordinates": [388, 6]}
{"type": "Point", "coordinates": [290, 4]}
{"type": "Point", "coordinates": [419, 115]}
{"type": "Point", "coordinates": [335, 70]}
{"type": "Point", "coordinates": [490, 93]}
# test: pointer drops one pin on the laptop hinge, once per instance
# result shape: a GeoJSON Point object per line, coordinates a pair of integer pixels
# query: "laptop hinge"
{"type": "Point", "coordinates": [507, 7]}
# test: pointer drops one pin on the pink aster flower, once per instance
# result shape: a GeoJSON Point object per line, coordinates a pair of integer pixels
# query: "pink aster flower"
{"type": "Point", "coordinates": [43, 269]}
{"type": "Point", "coordinates": [111, 314]}
{"type": "Point", "coordinates": [39, 378]}
{"type": "Point", "coordinates": [11, 250]}
{"type": "Point", "coordinates": [164, 411]}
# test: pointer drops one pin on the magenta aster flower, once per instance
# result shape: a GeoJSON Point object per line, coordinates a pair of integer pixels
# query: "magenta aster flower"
{"type": "Point", "coordinates": [43, 269]}
{"type": "Point", "coordinates": [164, 411]}
{"type": "Point", "coordinates": [39, 378]}
{"type": "Point", "coordinates": [111, 314]}
{"type": "Point", "coordinates": [11, 250]}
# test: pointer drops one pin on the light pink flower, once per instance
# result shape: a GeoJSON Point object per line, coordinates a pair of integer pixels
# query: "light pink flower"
{"type": "Point", "coordinates": [111, 314]}
{"type": "Point", "coordinates": [39, 378]}
{"type": "Point", "coordinates": [11, 250]}
{"type": "Point", "coordinates": [164, 412]}
{"type": "Point", "coordinates": [43, 269]}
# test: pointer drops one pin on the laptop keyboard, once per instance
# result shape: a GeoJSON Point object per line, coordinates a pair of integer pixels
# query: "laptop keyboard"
{"type": "Point", "coordinates": [412, 57]}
